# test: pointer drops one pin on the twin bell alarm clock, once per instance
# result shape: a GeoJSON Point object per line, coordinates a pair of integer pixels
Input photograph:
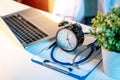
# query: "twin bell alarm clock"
{"type": "Point", "coordinates": [70, 36]}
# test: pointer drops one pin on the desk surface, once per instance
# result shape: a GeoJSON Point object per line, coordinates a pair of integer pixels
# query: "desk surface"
{"type": "Point", "coordinates": [15, 62]}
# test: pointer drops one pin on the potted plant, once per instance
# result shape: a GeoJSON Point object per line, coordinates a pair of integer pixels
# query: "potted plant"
{"type": "Point", "coordinates": [106, 29]}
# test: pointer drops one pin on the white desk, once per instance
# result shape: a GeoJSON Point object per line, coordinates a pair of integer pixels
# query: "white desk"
{"type": "Point", "coordinates": [15, 62]}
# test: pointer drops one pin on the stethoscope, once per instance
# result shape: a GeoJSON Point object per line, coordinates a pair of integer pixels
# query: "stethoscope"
{"type": "Point", "coordinates": [93, 46]}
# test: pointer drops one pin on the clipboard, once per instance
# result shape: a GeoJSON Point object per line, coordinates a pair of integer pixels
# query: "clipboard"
{"type": "Point", "coordinates": [81, 72]}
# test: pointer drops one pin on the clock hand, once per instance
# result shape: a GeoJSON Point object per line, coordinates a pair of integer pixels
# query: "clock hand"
{"type": "Point", "coordinates": [68, 39]}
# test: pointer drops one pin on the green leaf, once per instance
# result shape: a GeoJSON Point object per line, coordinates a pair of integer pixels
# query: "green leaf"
{"type": "Point", "coordinates": [106, 29]}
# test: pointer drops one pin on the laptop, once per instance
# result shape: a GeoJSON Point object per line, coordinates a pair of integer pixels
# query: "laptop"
{"type": "Point", "coordinates": [33, 29]}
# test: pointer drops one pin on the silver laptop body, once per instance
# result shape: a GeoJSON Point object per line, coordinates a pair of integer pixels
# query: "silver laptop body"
{"type": "Point", "coordinates": [39, 21]}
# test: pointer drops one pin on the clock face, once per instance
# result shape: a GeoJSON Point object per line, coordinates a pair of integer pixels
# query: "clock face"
{"type": "Point", "coordinates": [66, 39]}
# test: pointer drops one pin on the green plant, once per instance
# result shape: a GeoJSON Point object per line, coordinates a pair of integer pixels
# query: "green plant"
{"type": "Point", "coordinates": [106, 29]}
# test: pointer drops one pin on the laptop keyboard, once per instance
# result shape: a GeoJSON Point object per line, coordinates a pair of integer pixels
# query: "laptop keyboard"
{"type": "Point", "coordinates": [23, 29]}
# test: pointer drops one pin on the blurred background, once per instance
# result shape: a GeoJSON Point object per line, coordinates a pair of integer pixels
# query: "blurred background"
{"type": "Point", "coordinates": [82, 10]}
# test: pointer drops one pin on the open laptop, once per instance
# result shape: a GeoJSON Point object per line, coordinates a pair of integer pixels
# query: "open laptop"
{"type": "Point", "coordinates": [31, 28]}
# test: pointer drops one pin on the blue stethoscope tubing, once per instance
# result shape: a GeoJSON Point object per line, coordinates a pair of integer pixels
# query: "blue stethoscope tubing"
{"type": "Point", "coordinates": [78, 62]}
{"type": "Point", "coordinates": [70, 64]}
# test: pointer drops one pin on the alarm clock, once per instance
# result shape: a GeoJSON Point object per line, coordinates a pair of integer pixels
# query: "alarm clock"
{"type": "Point", "coordinates": [70, 36]}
